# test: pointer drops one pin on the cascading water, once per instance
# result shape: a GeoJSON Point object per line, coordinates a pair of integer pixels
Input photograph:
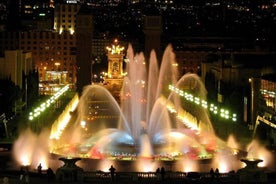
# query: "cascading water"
{"type": "Point", "coordinates": [150, 120]}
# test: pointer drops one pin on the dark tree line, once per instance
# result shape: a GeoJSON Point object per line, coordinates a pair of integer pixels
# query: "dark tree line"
{"type": "Point", "coordinates": [11, 93]}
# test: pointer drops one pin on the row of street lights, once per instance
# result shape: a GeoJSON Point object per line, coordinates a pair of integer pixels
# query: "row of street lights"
{"type": "Point", "coordinates": [223, 113]}
{"type": "Point", "coordinates": [43, 106]}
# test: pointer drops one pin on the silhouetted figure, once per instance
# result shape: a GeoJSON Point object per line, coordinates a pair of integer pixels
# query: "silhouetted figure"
{"type": "Point", "coordinates": [217, 173]}
{"type": "Point", "coordinates": [50, 174]}
{"type": "Point", "coordinates": [21, 177]}
{"type": "Point", "coordinates": [24, 175]}
{"type": "Point", "coordinates": [162, 172]}
{"type": "Point", "coordinates": [158, 173]}
{"type": "Point", "coordinates": [212, 173]}
{"type": "Point", "coordinates": [112, 172]}
{"type": "Point", "coordinates": [39, 169]}
{"type": "Point", "coordinates": [27, 177]}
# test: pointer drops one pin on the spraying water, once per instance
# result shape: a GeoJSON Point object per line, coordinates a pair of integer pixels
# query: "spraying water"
{"type": "Point", "coordinates": [150, 122]}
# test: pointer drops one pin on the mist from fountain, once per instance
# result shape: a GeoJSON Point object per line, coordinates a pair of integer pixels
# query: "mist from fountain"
{"type": "Point", "coordinates": [150, 122]}
{"type": "Point", "coordinates": [31, 149]}
{"type": "Point", "coordinates": [255, 150]}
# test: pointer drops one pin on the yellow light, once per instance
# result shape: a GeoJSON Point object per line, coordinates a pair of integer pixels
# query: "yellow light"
{"type": "Point", "coordinates": [176, 135]}
{"type": "Point", "coordinates": [72, 31]}
{"type": "Point", "coordinates": [83, 123]}
{"type": "Point", "coordinates": [115, 49]}
{"type": "Point", "coordinates": [60, 30]}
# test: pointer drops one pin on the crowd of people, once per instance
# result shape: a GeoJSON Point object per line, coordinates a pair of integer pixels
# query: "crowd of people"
{"type": "Point", "coordinates": [160, 173]}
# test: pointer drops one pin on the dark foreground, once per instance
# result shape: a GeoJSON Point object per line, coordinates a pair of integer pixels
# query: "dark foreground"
{"type": "Point", "coordinates": [9, 175]}
{"type": "Point", "coordinates": [13, 177]}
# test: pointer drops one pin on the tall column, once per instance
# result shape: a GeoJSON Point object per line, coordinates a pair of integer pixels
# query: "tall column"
{"type": "Point", "coordinates": [153, 30]}
{"type": "Point", "coordinates": [84, 36]}
{"type": "Point", "coordinates": [255, 91]}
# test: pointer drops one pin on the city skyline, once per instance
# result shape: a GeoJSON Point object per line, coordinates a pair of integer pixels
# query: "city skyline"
{"type": "Point", "coordinates": [210, 73]}
{"type": "Point", "coordinates": [219, 34]}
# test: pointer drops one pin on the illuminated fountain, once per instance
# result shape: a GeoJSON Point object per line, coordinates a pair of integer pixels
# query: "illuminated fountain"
{"type": "Point", "coordinates": [152, 120]}
{"type": "Point", "coordinates": [254, 170]}
{"type": "Point", "coordinates": [31, 149]}
{"type": "Point", "coordinates": [69, 171]}
{"type": "Point", "coordinates": [153, 123]}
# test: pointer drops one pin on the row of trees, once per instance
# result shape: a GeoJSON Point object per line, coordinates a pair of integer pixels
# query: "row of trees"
{"type": "Point", "coordinates": [13, 97]}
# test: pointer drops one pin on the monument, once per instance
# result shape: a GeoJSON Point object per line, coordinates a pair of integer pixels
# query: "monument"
{"type": "Point", "coordinates": [113, 79]}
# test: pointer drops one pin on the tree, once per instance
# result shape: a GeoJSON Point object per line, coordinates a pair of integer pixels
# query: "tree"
{"type": "Point", "coordinates": [9, 94]}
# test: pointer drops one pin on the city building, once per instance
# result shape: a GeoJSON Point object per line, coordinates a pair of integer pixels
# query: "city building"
{"type": "Point", "coordinates": [16, 65]}
{"type": "Point", "coordinates": [3, 15]}
{"type": "Point", "coordinates": [65, 17]}
{"type": "Point", "coordinates": [67, 39]}
{"type": "Point", "coordinates": [13, 64]}
{"type": "Point", "coordinates": [53, 54]}
{"type": "Point", "coordinates": [36, 15]}
{"type": "Point", "coordinates": [232, 78]}
{"type": "Point", "coordinates": [268, 91]}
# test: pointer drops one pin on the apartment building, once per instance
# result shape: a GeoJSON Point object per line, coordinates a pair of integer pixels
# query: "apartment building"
{"type": "Point", "coordinates": [65, 17]}
{"type": "Point", "coordinates": [13, 63]}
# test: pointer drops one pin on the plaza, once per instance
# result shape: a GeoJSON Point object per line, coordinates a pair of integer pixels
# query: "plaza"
{"type": "Point", "coordinates": [91, 172]}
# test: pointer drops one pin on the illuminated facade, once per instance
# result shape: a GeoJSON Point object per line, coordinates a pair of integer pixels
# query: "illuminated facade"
{"type": "Point", "coordinates": [268, 91]}
{"type": "Point", "coordinates": [114, 77]}
{"type": "Point", "coordinates": [115, 61]}
{"type": "Point", "coordinates": [65, 17]}
{"type": "Point", "coordinates": [190, 61]}
{"type": "Point", "coordinates": [52, 53]}
{"type": "Point", "coordinates": [13, 64]}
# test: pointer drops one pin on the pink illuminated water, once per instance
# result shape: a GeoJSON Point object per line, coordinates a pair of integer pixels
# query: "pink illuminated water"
{"type": "Point", "coordinates": [150, 123]}
{"type": "Point", "coordinates": [31, 149]}
{"type": "Point", "coordinates": [146, 126]}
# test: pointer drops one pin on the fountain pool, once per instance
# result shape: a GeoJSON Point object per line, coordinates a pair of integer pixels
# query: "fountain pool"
{"type": "Point", "coordinates": [150, 121]}
{"type": "Point", "coordinates": [151, 125]}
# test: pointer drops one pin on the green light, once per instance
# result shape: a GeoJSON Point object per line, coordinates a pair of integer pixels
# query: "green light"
{"type": "Point", "coordinates": [212, 108]}
{"type": "Point", "coordinates": [43, 106]}
{"type": "Point", "coordinates": [197, 100]}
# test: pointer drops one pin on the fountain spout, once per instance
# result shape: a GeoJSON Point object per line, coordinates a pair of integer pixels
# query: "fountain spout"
{"type": "Point", "coordinates": [143, 131]}
{"type": "Point", "coordinates": [251, 164]}
{"type": "Point", "coordinates": [251, 172]}
{"type": "Point", "coordinates": [69, 171]}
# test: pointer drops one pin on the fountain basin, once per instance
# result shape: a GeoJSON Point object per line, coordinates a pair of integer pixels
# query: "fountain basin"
{"type": "Point", "coordinates": [251, 173]}
{"type": "Point", "coordinates": [69, 171]}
